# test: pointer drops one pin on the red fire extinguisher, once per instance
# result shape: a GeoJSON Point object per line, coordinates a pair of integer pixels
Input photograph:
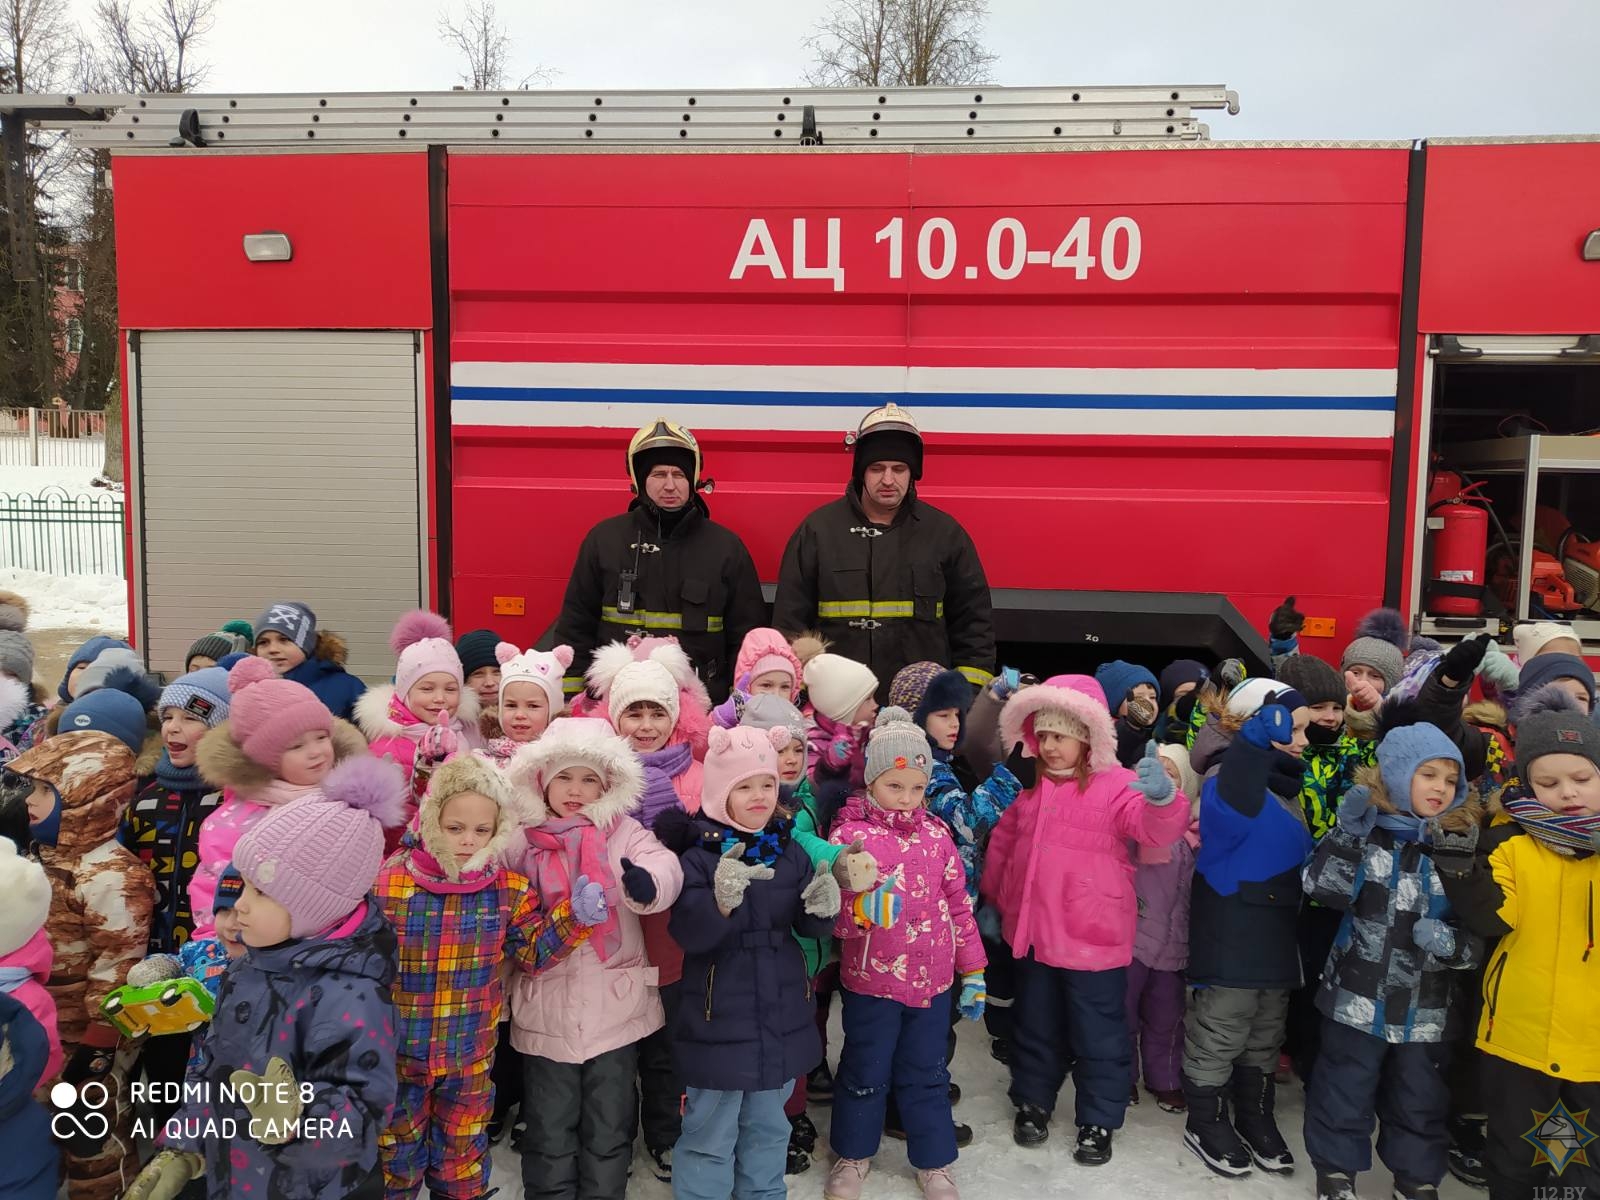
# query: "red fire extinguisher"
{"type": "Point", "coordinates": [1458, 521]}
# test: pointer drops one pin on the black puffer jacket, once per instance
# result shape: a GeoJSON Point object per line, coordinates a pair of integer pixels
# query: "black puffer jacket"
{"type": "Point", "coordinates": [746, 1016]}
{"type": "Point", "coordinates": [694, 580]}
{"type": "Point", "coordinates": [911, 591]}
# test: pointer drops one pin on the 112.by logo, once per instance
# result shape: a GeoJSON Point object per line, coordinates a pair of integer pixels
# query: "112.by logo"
{"type": "Point", "coordinates": [85, 1122]}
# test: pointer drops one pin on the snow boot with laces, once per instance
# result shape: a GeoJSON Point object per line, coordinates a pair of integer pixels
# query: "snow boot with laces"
{"type": "Point", "coordinates": [1254, 1098]}
{"type": "Point", "coordinates": [1209, 1134]}
{"type": "Point", "coordinates": [938, 1184]}
{"type": "Point", "coordinates": [845, 1179]}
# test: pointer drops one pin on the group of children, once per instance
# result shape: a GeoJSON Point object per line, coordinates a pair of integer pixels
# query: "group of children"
{"type": "Point", "coordinates": [630, 912]}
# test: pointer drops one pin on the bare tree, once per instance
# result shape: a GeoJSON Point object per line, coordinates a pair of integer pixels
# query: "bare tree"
{"type": "Point", "coordinates": [150, 50]}
{"type": "Point", "coordinates": [901, 43]}
{"type": "Point", "coordinates": [485, 47]}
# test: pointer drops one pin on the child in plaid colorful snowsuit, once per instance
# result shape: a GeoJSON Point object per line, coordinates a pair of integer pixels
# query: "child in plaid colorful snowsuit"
{"type": "Point", "coordinates": [457, 913]}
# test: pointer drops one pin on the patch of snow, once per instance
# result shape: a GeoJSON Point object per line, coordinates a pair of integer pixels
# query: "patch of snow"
{"type": "Point", "coordinates": [1149, 1160]}
{"type": "Point", "coordinates": [75, 481]}
{"type": "Point", "coordinates": [70, 601]}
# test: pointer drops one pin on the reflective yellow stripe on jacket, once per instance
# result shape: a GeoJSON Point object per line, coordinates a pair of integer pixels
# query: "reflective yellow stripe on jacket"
{"type": "Point", "coordinates": [640, 619]}
{"type": "Point", "coordinates": [881, 610]}
{"type": "Point", "coordinates": [976, 676]}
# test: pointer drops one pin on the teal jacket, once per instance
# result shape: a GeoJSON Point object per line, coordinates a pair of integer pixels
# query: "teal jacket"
{"type": "Point", "coordinates": [814, 841]}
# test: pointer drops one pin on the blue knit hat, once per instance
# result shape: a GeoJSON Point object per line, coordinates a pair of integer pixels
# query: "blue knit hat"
{"type": "Point", "coordinates": [1406, 748]}
{"type": "Point", "coordinates": [1117, 679]}
{"type": "Point", "coordinates": [106, 711]}
{"type": "Point", "coordinates": [476, 650]}
{"type": "Point", "coordinates": [1184, 670]}
{"type": "Point", "coordinates": [202, 694]}
{"type": "Point", "coordinates": [83, 656]}
{"type": "Point", "coordinates": [293, 620]}
{"type": "Point", "coordinates": [1547, 668]}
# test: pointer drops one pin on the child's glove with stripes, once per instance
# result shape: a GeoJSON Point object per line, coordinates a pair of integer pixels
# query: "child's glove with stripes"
{"type": "Point", "coordinates": [881, 906]}
{"type": "Point", "coordinates": [974, 995]}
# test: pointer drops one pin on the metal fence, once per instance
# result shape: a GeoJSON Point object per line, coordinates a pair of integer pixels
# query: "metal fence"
{"type": "Point", "coordinates": [52, 437]}
{"type": "Point", "coordinates": [62, 534]}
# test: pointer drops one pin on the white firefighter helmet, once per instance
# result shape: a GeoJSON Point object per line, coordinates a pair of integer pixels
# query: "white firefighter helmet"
{"type": "Point", "coordinates": [663, 441]}
{"type": "Point", "coordinates": [887, 433]}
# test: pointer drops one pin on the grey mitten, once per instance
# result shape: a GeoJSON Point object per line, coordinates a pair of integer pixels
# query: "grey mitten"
{"type": "Point", "coordinates": [1452, 849]}
{"type": "Point", "coordinates": [733, 877]}
{"type": "Point", "coordinates": [822, 897]}
{"type": "Point", "coordinates": [1434, 936]}
{"type": "Point", "coordinates": [856, 869]}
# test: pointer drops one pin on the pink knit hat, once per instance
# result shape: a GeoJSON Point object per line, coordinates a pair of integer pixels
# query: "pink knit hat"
{"type": "Point", "coordinates": [266, 714]}
{"type": "Point", "coordinates": [319, 856]}
{"type": "Point", "coordinates": [732, 756]}
{"type": "Point", "coordinates": [422, 640]}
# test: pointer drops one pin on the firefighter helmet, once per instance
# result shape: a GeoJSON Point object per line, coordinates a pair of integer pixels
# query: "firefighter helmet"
{"type": "Point", "coordinates": [887, 434]}
{"type": "Point", "coordinates": [663, 441]}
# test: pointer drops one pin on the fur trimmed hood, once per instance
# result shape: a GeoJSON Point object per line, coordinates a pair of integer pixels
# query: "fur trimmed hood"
{"type": "Point", "coordinates": [223, 763]}
{"type": "Point", "coordinates": [331, 648]}
{"type": "Point", "coordinates": [1078, 695]}
{"type": "Point", "coordinates": [1457, 820]}
{"type": "Point", "coordinates": [467, 773]}
{"type": "Point", "coordinates": [578, 740]}
{"type": "Point", "coordinates": [373, 719]}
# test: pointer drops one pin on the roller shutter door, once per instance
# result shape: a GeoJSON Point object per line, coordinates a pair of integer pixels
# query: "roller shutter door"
{"type": "Point", "coordinates": [276, 466]}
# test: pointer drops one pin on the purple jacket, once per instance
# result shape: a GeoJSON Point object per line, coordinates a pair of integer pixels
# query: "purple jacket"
{"type": "Point", "coordinates": [322, 1005]}
{"type": "Point", "coordinates": [1161, 938]}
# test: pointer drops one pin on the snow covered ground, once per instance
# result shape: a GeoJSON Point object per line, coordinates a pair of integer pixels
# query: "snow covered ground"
{"type": "Point", "coordinates": [74, 480]}
{"type": "Point", "coordinates": [59, 600]}
{"type": "Point", "coordinates": [97, 602]}
{"type": "Point", "coordinates": [1149, 1159]}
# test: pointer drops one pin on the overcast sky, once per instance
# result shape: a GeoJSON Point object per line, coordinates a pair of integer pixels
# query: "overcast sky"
{"type": "Point", "coordinates": [1302, 68]}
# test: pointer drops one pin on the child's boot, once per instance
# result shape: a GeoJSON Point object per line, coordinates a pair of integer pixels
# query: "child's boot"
{"type": "Point", "coordinates": [845, 1180]}
{"type": "Point", "coordinates": [1468, 1138]}
{"type": "Point", "coordinates": [1335, 1185]}
{"type": "Point", "coordinates": [1094, 1146]}
{"type": "Point", "coordinates": [1031, 1127]}
{"type": "Point", "coordinates": [938, 1184]}
{"type": "Point", "coordinates": [1404, 1189]}
{"type": "Point", "coordinates": [1208, 1133]}
{"type": "Point", "coordinates": [1254, 1099]}
{"type": "Point", "coordinates": [1171, 1102]}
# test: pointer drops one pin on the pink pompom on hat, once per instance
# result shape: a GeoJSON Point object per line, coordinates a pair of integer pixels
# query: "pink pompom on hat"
{"type": "Point", "coordinates": [733, 756]}
{"type": "Point", "coordinates": [267, 714]}
{"type": "Point", "coordinates": [548, 671]}
{"type": "Point", "coordinates": [319, 856]}
{"type": "Point", "coordinates": [422, 640]}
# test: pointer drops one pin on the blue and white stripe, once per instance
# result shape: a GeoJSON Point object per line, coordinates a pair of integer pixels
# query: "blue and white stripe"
{"type": "Point", "coordinates": [1184, 402]}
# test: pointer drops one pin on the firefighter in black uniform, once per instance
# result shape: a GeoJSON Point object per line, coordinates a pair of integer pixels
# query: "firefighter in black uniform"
{"type": "Point", "coordinates": [888, 579]}
{"type": "Point", "coordinates": [663, 567]}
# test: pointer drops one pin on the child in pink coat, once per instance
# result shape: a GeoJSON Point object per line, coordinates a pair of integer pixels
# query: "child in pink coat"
{"type": "Point", "coordinates": [578, 1024]}
{"type": "Point", "coordinates": [25, 953]}
{"type": "Point", "coordinates": [529, 697]}
{"type": "Point", "coordinates": [902, 946]}
{"type": "Point", "coordinates": [277, 745]}
{"type": "Point", "coordinates": [1060, 875]}
{"type": "Point", "coordinates": [427, 715]}
{"type": "Point", "coordinates": [766, 665]}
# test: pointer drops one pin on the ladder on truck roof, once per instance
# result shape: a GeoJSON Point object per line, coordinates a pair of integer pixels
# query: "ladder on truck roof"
{"type": "Point", "coordinates": [808, 116]}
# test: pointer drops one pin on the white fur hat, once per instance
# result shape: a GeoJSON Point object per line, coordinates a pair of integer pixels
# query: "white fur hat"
{"type": "Point", "coordinates": [545, 670]}
{"type": "Point", "coordinates": [639, 682]}
{"type": "Point", "coordinates": [26, 890]}
{"type": "Point", "coordinates": [1533, 636]}
{"type": "Point", "coordinates": [838, 686]}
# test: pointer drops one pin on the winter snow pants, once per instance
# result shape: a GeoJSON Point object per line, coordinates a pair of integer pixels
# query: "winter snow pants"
{"type": "Point", "coordinates": [891, 1045]}
{"type": "Point", "coordinates": [438, 1132]}
{"type": "Point", "coordinates": [1518, 1100]}
{"type": "Point", "coordinates": [1068, 1018]}
{"type": "Point", "coordinates": [823, 986]}
{"type": "Point", "coordinates": [165, 1060]}
{"type": "Point", "coordinates": [1000, 981]}
{"type": "Point", "coordinates": [1155, 1007]}
{"type": "Point", "coordinates": [109, 1172]}
{"type": "Point", "coordinates": [1360, 1078]}
{"type": "Point", "coordinates": [507, 1073]}
{"type": "Point", "coordinates": [660, 1090]}
{"type": "Point", "coordinates": [1229, 1027]}
{"type": "Point", "coordinates": [733, 1144]}
{"type": "Point", "coordinates": [1317, 927]}
{"type": "Point", "coordinates": [580, 1117]}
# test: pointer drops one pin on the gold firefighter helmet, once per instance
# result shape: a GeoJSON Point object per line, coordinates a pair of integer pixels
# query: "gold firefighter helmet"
{"type": "Point", "coordinates": [663, 441]}
{"type": "Point", "coordinates": [887, 433]}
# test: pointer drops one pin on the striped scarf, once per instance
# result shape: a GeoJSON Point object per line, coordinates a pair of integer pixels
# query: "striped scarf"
{"type": "Point", "coordinates": [1564, 834]}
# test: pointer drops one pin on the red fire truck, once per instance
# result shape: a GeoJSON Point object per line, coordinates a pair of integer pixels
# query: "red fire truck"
{"type": "Point", "coordinates": [388, 349]}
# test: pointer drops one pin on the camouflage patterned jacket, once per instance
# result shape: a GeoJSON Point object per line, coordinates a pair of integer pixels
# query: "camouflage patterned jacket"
{"type": "Point", "coordinates": [101, 894]}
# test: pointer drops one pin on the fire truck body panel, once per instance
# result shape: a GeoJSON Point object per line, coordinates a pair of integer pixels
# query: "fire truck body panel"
{"type": "Point", "coordinates": [1165, 431]}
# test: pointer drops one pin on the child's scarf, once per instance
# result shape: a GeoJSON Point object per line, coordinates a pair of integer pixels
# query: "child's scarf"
{"type": "Point", "coordinates": [765, 847]}
{"type": "Point", "coordinates": [565, 843]}
{"type": "Point", "coordinates": [179, 779]}
{"type": "Point", "coordinates": [1564, 834]}
{"type": "Point", "coordinates": [277, 792]}
{"type": "Point", "coordinates": [661, 767]}
{"type": "Point", "coordinates": [413, 726]}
